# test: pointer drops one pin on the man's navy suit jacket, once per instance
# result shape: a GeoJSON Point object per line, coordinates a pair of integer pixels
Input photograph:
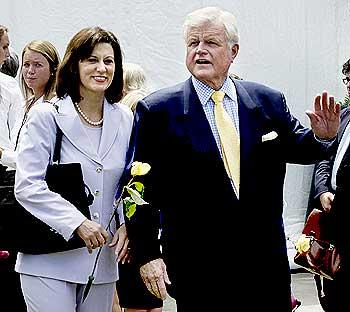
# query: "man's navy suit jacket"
{"type": "Point", "coordinates": [207, 233]}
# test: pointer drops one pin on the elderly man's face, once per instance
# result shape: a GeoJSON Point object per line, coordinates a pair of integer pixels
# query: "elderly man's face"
{"type": "Point", "coordinates": [208, 54]}
{"type": "Point", "coordinates": [4, 48]}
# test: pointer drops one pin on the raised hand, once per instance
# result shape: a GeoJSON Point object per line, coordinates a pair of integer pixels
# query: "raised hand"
{"type": "Point", "coordinates": [325, 118]}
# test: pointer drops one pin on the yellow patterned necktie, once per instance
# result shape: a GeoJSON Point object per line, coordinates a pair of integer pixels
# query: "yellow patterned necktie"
{"type": "Point", "coordinates": [229, 139]}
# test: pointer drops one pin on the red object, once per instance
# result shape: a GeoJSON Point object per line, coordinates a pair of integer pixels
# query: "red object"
{"type": "Point", "coordinates": [295, 302]}
{"type": "Point", "coordinates": [4, 254]}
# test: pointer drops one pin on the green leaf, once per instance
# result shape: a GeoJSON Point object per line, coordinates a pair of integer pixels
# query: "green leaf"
{"type": "Point", "coordinates": [139, 186]}
{"type": "Point", "coordinates": [127, 202]}
{"type": "Point", "coordinates": [130, 210]}
{"type": "Point", "coordinates": [135, 195]}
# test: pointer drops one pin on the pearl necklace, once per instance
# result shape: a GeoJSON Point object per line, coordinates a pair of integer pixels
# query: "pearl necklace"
{"type": "Point", "coordinates": [86, 118]}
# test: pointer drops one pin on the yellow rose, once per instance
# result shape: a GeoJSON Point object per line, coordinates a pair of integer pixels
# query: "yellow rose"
{"type": "Point", "coordinates": [139, 168]}
{"type": "Point", "coordinates": [303, 243]}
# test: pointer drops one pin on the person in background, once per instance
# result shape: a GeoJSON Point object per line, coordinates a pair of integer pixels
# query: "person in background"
{"type": "Point", "coordinates": [333, 294]}
{"type": "Point", "coordinates": [96, 133]}
{"type": "Point", "coordinates": [218, 163]}
{"type": "Point", "coordinates": [40, 60]}
{"type": "Point", "coordinates": [132, 292]}
{"type": "Point", "coordinates": [11, 105]}
{"type": "Point", "coordinates": [11, 64]}
{"type": "Point", "coordinates": [346, 81]}
{"type": "Point", "coordinates": [135, 85]}
{"type": "Point", "coordinates": [11, 97]}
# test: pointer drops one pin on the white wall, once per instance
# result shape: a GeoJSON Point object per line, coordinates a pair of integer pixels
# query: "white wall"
{"type": "Point", "coordinates": [296, 46]}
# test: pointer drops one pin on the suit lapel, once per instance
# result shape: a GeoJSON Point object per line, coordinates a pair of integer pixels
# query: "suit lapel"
{"type": "Point", "coordinates": [249, 120]}
{"type": "Point", "coordinates": [111, 126]}
{"type": "Point", "coordinates": [250, 125]}
{"type": "Point", "coordinates": [198, 128]}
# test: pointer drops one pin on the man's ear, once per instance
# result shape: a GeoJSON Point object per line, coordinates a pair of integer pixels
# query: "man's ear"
{"type": "Point", "coordinates": [234, 51]}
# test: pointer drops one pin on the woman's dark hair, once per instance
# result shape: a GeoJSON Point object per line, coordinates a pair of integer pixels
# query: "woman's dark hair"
{"type": "Point", "coordinates": [80, 48]}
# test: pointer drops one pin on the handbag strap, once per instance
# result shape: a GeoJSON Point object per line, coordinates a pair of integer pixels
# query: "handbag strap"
{"type": "Point", "coordinates": [31, 103]}
{"type": "Point", "coordinates": [57, 151]}
{"type": "Point", "coordinates": [59, 134]}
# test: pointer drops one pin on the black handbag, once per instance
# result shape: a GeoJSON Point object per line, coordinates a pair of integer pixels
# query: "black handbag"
{"type": "Point", "coordinates": [20, 230]}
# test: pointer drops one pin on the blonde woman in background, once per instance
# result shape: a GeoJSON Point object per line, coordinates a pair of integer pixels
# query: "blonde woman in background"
{"type": "Point", "coordinates": [133, 294]}
{"type": "Point", "coordinates": [40, 60]}
{"type": "Point", "coordinates": [135, 85]}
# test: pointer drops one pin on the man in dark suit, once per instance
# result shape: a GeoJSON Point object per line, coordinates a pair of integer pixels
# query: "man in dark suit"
{"type": "Point", "coordinates": [331, 193]}
{"type": "Point", "coordinates": [217, 233]}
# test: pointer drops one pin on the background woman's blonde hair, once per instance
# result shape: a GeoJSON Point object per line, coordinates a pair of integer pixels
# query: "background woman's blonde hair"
{"type": "Point", "coordinates": [47, 49]}
{"type": "Point", "coordinates": [135, 85]}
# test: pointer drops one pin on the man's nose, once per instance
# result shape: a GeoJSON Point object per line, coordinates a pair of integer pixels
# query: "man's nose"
{"type": "Point", "coordinates": [201, 48]}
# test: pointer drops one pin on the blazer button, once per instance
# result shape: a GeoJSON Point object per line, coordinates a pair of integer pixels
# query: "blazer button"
{"type": "Point", "coordinates": [97, 193]}
{"type": "Point", "coordinates": [95, 215]}
{"type": "Point", "coordinates": [98, 169]}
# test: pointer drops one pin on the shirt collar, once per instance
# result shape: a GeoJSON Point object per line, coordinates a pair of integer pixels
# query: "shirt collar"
{"type": "Point", "coordinates": [204, 91]}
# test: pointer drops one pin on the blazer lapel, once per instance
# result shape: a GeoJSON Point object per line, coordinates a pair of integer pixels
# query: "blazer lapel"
{"type": "Point", "coordinates": [111, 126]}
{"type": "Point", "coordinates": [70, 124]}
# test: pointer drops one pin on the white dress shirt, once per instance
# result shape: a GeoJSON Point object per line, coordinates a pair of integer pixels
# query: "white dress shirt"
{"type": "Point", "coordinates": [11, 110]}
{"type": "Point", "coordinates": [9, 155]}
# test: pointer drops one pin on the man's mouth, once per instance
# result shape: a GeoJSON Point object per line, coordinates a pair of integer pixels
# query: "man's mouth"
{"type": "Point", "coordinates": [200, 61]}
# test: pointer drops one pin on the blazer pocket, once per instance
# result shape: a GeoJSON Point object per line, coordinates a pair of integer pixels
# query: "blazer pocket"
{"type": "Point", "coordinates": [269, 136]}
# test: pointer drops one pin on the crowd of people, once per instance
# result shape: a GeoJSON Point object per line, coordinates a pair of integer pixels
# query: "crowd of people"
{"type": "Point", "coordinates": [217, 145]}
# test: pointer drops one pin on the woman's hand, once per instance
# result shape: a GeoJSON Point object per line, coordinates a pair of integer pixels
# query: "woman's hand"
{"type": "Point", "coordinates": [93, 234]}
{"type": "Point", "coordinates": [121, 240]}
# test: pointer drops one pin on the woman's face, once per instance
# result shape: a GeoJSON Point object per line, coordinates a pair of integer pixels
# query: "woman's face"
{"type": "Point", "coordinates": [36, 71]}
{"type": "Point", "coordinates": [97, 71]}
